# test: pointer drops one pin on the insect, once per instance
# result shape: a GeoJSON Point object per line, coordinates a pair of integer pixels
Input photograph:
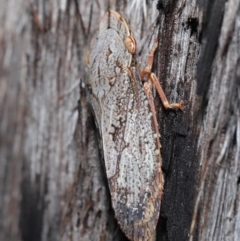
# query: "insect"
{"type": "Point", "coordinates": [125, 116]}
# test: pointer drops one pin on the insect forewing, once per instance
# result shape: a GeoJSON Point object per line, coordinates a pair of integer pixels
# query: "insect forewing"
{"type": "Point", "coordinates": [130, 140]}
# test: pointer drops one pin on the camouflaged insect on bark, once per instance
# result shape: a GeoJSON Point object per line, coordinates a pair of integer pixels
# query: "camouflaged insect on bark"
{"type": "Point", "coordinates": [126, 124]}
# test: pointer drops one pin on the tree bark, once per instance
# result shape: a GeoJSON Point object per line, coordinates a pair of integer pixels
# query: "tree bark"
{"type": "Point", "coordinates": [53, 184]}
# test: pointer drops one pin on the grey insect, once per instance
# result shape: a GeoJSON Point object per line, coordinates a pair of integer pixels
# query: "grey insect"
{"type": "Point", "coordinates": [125, 116]}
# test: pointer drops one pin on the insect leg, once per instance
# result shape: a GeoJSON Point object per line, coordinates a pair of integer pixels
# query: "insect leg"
{"type": "Point", "coordinates": [151, 76]}
{"type": "Point", "coordinates": [162, 95]}
{"type": "Point", "coordinates": [148, 91]}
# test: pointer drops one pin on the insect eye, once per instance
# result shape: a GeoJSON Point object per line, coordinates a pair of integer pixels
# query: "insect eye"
{"type": "Point", "coordinates": [131, 45]}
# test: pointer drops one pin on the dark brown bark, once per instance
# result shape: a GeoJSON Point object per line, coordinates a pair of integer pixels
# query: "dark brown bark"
{"type": "Point", "coordinates": [52, 178]}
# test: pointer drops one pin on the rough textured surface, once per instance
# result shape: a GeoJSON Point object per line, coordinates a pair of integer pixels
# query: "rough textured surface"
{"type": "Point", "coordinates": [130, 138]}
{"type": "Point", "coordinates": [217, 207]}
{"type": "Point", "coordinates": [52, 181]}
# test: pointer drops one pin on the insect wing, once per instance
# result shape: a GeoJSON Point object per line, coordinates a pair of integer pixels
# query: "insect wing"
{"type": "Point", "coordinates": [108, 58]}
{"type": "Point", "coordinates": [129, 134]}
{"type": "Point", "coordinates": [132, 158]}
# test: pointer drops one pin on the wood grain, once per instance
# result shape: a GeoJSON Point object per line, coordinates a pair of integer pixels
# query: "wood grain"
{"type": "Point", "coordinates": [52, 181]}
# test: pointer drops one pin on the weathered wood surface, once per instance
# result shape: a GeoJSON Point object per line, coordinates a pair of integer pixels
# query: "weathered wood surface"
{"type": "Point", "coordinates": [217, 206]}
{"type": "Point", "coordinates": [52, 181]}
